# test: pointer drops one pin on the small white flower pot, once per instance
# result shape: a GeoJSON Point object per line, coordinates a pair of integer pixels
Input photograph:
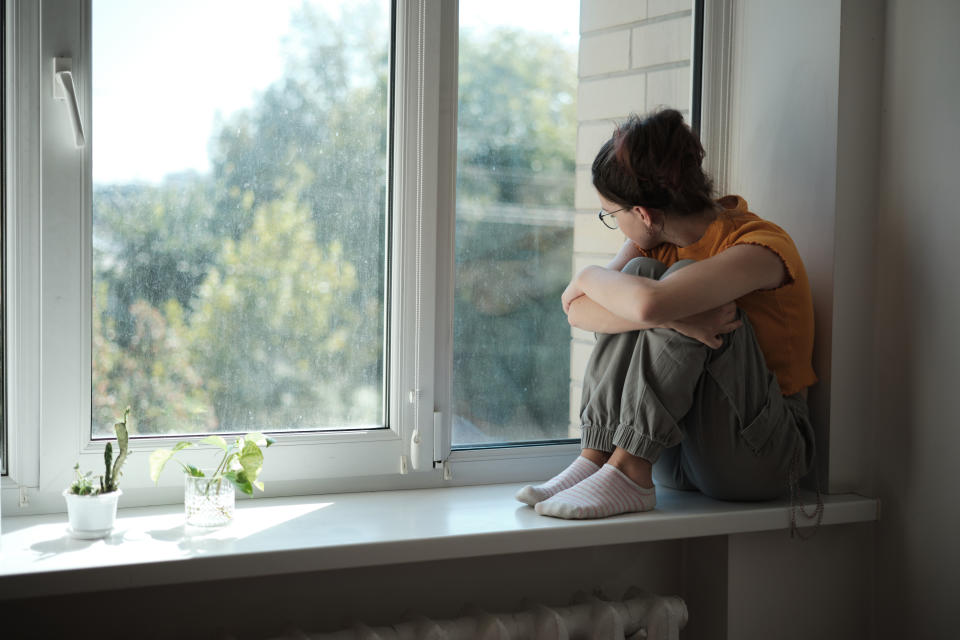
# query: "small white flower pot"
{"type": "Point", "coordinates": [92, 517]}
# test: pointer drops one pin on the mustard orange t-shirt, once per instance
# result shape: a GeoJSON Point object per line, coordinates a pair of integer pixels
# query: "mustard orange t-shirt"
{"type": "Point", "coordinates": [783, 317]}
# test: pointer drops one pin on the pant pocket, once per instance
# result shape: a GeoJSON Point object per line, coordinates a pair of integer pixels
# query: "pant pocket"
{"type": "Point", "coordinates": [757, 433]}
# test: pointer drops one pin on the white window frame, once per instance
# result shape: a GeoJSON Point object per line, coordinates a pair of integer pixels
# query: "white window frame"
{"type": "Point", "coordinates": [49, 286]}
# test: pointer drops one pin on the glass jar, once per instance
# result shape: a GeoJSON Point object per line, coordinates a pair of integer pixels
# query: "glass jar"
{"type": "Point", "coordinates": [208, 502]}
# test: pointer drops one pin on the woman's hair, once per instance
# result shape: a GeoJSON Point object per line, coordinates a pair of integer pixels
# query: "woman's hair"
{"type": "Point", "coordinates": [654, 161]}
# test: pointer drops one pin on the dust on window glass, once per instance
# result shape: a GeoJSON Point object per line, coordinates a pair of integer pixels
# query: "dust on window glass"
{"type": "Point", "coordinates": [239, 214]}
{"type": "Point", "coordinates": [516, 143]}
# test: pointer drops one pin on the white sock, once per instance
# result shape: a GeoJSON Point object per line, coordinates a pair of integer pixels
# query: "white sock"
{"type": "Point", "coordinates": [580, 469]}
{"type": "Point", "coordinates": [605, 493]}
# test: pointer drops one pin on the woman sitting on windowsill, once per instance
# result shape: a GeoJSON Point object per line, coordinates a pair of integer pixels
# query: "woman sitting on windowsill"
{"type": "Point", "coordinates": [704, 324]}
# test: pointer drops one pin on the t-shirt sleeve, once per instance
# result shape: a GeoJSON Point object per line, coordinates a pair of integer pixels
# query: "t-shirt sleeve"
{"type": "Point", "coordinates": [766, 234]}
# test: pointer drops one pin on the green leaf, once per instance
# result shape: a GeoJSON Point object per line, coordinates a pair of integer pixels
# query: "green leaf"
{"type": "Point", "coordinates": [258, 485]}
{"type": "Point", "coordinates": [215, 440]}
{"type": "Point", "coordinates": [251, 459]}
{"type": "Point", "coordinates": [193, 471]}
{"type": "Point", "coordinates": [230, 462]}
{"type": "Point", "coordinates": [158, 460]}
{"type": "Point", "coordinates": [240, 480]}
{"type": "Point", "coordinates": [257, 438]}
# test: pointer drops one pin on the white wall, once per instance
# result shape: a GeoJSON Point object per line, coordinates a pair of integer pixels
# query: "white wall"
{"type": "Point", "coordinates": [781, 589]}
{"type": "Point", "coordinates": [858, 149]}
{"type": "Point", "coordinates": [782, 153]}
{"type": "Point", "coordinates": [916, 427]}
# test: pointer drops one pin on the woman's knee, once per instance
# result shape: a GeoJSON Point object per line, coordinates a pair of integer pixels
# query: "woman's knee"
{"type": "Point", "coordinates": [652, 268]}
{"type": "Point", "coordinates": [646, 267]}
{"type": "Point", "coordinates": [676, 266]}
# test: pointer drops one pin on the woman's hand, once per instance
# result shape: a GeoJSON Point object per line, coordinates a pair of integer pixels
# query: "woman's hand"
{"type": "Point", "coordinates": [574, 290]}
{"type": "Point", "coordinates": [708, 326]}
{"type": "Point", "coordinates": [571, 293]}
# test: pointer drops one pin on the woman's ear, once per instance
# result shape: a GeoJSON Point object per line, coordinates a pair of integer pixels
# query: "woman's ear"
{"type": "Point", "coordinates": [652, 219]}
{"type": "Point", "coordinates": [646, 216]}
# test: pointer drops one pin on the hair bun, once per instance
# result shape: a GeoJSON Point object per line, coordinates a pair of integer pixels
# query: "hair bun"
{"type": "Point", "coordinates": [654, 161]}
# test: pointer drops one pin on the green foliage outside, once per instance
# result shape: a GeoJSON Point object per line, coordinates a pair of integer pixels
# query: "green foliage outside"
{"type": "Point", "coordinates": [252, 298]}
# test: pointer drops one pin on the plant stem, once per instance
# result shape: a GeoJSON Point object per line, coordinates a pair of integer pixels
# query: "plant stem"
{"type": "Point", "coordinates": [226, 454]}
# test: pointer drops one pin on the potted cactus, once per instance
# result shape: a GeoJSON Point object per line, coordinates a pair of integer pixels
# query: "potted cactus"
{"type": "Point", "coordinates": [92, 503]}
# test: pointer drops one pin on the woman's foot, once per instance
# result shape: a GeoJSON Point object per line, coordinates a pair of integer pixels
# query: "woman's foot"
{"type": "Point", "coordinates": [586, 464]}
{"type": "Point", "coordinates": [607, 492]}
{"type": "Point", "coordinates": [634, 467]}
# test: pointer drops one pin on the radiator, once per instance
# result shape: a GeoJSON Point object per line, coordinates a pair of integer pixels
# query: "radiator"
{"type": "Point", "coordinates": [638, 615]}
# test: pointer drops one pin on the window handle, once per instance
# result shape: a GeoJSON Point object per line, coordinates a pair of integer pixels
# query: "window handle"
{"type": "Point", "coordinates": [65, 89]}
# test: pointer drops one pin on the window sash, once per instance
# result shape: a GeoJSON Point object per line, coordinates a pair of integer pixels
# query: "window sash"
{"type": "Point", "coordinates": [3, 255]}
{"type": "Point", "coordinates": [51, 404]}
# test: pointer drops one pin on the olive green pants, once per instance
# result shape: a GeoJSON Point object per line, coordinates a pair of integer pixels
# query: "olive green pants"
{"type": "Point", "coordinates": [711, 420]}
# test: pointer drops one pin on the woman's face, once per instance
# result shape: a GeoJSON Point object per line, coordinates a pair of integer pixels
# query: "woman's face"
{"type": "Point", "coordinates": [634, 223]}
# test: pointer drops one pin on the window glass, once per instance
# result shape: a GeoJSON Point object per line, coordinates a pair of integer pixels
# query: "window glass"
{"type": "Point", "coordinates": [516, 144]}
{"type": "Point", "coordinates": [240, 184]}
{"type": "Point", "coordinates": [3, 244]}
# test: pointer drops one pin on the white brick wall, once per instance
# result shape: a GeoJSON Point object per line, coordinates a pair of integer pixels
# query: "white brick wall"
{"type": "Point", "coordinates": [590, 138]}
{"type": "Point", "coordinates": [610, 97]}
{"type": "Point", "coordinates": [590, 236]}
{"type": "Point", "coordinates": [670, 87]}
{"type": "Point", "coordinates": [662, 42]}
{"type": "Point", "coordinates": [585, 196]}
{"type": "Point", "coordinates": [600, 14]}
{"type": "Point", "coordinates": [634, 56]}
{"type": "Point", "coordinates": [662, 7]}
{"type": "Point", "coordinates": [604, 53]}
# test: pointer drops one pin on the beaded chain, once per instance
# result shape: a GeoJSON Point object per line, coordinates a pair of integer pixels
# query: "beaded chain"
{"type": "Point", "coordinates": [796, 504]}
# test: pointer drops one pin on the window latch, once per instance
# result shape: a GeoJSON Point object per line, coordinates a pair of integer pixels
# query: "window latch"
{"type": "Point", "coordinates": [65, 89]}
{"type": "Point", "coordinates": [418, 458]}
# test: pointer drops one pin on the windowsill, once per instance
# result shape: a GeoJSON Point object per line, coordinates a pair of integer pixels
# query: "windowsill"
{"type": "Point", "coordinates": [312, 533]}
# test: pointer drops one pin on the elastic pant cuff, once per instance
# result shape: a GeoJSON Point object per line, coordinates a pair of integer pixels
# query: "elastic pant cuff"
{"type": "Point", "coordinates": [637, 444]}
{"type": "Point", "coordinates": [598, 438]}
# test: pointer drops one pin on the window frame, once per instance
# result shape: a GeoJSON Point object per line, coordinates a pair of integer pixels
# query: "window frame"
{"type": "Point", "coordinates": [3, 249]}
{"type": "Point", "coordinates": [22, 240]}
{"type": "Point", "coordinates": [53, 242]}
{"type": "Point", "coordinates": [52, 350]}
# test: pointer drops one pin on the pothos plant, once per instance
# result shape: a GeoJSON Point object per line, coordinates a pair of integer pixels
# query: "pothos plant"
{"type": "Point", "coordinates": [84, 484]}
{"type": "Point", "coordinates": [240, 463]}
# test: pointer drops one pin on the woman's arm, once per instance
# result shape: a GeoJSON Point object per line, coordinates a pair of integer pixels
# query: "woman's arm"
{"type": "Point", "coordinates": [696, 288]}
{"type": "Point", "coordinates": [590, 316]}
{"type": "Point", "coordinates": [707, 327]}
{"type": "Point", "coordinates": [586, 314]}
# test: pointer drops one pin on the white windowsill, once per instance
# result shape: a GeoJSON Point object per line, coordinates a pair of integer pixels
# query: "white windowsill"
{"type": "Point", "coordinates": [150, 545]}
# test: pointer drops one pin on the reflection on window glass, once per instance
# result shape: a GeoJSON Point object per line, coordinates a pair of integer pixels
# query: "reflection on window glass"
{"type": "Point", "coordinates": [515, 211]}
{"type": "Point", "coordinates": [239, 198]}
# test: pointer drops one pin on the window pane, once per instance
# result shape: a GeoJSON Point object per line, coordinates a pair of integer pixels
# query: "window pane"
{"type": "Point", "coordinates": [239, 214]}
{"type": "Point", "coordinates": [3, 245]}
{"type": "Point", "coordinates": [515, 212]}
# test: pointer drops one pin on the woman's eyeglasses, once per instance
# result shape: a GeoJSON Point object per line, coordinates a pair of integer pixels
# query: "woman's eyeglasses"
{"type": "Point", "coordinates": [612, 223]}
